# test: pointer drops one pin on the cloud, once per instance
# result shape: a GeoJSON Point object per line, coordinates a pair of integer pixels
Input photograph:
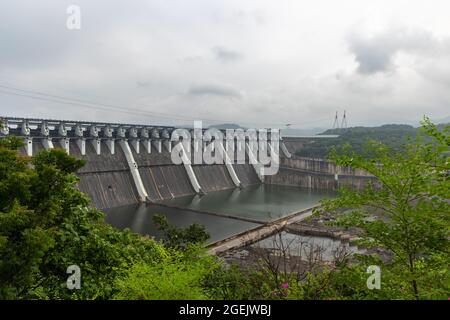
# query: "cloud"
{"type": "Point", "coordinates": [226, 55]}
{"type": "Point", "coordinates": [214, 90]}
{"type": "Point", "coordinates": [253, 61]}
{"type": "Point", "coordinates": [377, 53]}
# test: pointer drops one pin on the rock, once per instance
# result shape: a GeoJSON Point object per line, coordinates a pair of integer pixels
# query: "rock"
{"type": "Point", "coordinates": [345, 237]}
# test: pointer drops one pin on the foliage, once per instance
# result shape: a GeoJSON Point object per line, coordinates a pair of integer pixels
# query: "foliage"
{"type": "Point", "coordinates": [394, 136]}
{"type": "Point", "coordinates": [235, 283]}
{"type": "Point", "coordinates": [177, 276]}
{"type": "Point", "coordinates": [180, 237]}
{"type": "Point", "coordinates": [46, 226]}
{"type": "Point", "coordinates": [407, 210]}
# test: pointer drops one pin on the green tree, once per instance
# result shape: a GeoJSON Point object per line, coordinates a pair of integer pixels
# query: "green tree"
{"type": "Point", "coordinates": [46, 225]}
{"type": "Point", "coordinates": [180, 238]}
{"type": "Point", "coordinates": [407, 210]}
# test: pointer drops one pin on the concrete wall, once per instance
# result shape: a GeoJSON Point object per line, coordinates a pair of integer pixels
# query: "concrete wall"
{"type": "Point", "coordinates": [317, 174]}
{"type": "Point", "coordinates": [246, 174]}
{"type": "Point", "coordinates": [213, 177]}
{"type": "Point", "coordinates": [105, 178]}
{"type": "Point", "coordinates": [165, 182]}
{"type": "Point", "coordinates": [120, 170]}
{"type": "Point", "coordinates": [161, 178]}
{"type": "Point", "coordinates": [318, 165]}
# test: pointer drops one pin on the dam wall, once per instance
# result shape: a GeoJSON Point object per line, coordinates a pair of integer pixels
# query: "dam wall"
{"type": "Point", "coordinates": [318, 174]}
{"type": "Point", "coordinates": [127, 164]}
{"type": "Point", "coordinates": [106, 178]}
{"type": "Point", "coordinates": [319, 165]}
{"type": "Point", "coordinates": [161, 178]}
{"type": "Point", "coordinates": [213, 177]}
{"type": "Point", "coordinates": [246, 174]}
{"type": "Point", "coordinates": [165, 180]}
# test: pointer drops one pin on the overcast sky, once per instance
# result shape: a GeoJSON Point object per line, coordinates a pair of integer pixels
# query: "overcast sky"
{"type": "Point", "coordinates": [255, 62]}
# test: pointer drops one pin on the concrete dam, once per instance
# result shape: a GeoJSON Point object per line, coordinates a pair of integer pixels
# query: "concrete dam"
{"type": "Point", "coordinates": [127, 165]}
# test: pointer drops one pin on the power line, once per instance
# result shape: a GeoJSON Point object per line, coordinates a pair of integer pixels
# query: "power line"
{"type": "Point", "coordinates": [78, 104]}
{"type": "Point", "coordinates": [39, 95]}
{"type": "Point", "coordinates": [87, 103]}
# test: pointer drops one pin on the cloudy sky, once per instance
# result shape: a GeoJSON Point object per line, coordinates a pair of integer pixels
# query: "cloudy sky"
{"type": "Point", "coordinates": [255, 62]}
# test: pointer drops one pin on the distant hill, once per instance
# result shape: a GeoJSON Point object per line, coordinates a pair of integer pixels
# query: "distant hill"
{"type": "Point", "coordinates": [393, 135]}
{"type": "Point", "coordinates": [224, 126]}
{"type": "Point", "coordinates": [221, 126]}
{"type": "Point", "coordinates": [381, 131]}
{"type": "Point", "coordinates": [292, 132]}
{"type": "Point", "coordinates": [443, 120]}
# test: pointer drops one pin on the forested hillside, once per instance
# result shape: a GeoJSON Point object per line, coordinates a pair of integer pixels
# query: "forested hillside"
{"type": "Point", "coordinates": [393, 135]}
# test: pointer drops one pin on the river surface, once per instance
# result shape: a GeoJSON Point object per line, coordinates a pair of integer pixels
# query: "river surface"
{"type": "Point", "coordinates": [260, 203]}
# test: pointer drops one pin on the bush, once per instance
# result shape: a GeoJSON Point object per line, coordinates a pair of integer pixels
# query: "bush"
{"type": "Point", "coordinates": [178, 276]}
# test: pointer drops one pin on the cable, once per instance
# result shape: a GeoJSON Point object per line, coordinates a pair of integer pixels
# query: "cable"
{"type": "Point", "coordinates": [81, 105]}
{"type": "Point", "coordinates": [109, 107]}
{"type": "Point", "coordinates": [87, 103]}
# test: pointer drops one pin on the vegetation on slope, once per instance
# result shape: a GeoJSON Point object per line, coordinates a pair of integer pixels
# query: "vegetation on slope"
{"type": "Point", "coordinates": [406, 212]}
{"type": "Point", "coordinates": [393, 135]}
{"type": "Point", "coordinates": [46, 225]}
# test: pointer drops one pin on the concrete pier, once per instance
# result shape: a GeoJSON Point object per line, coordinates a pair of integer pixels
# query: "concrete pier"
{"type": "Point", "coordinates": [254, 235]}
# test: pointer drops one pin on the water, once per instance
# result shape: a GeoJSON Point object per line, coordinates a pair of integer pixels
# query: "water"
{"type": "Point", "coordinates": [139, 219]}
{"type": "Point", "coordinates": [261, 203]}
{"type": "Point", "coordinates": [303, 246]}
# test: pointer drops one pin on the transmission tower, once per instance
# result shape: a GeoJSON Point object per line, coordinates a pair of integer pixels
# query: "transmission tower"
{"type": "Point", "coordinates": [336, 121]}
{"type": "Point", "coordinates": [344, 121]}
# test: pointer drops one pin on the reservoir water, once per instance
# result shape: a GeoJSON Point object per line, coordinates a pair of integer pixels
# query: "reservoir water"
{"type": "Point", "coordinates": [260, 203]}
{"type": "Point", "coordinates": [139, 219]}
{"type": "Point", "coordinates": [306, 246]}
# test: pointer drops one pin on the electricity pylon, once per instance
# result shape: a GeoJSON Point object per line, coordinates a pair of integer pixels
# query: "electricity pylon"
{"type": "Point", "coordinates": [344, 121]}
{"type": "Point", "coordinates": [336, 121]}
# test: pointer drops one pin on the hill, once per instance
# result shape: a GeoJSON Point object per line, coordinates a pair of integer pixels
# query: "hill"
{"type": "Point", "coordinates": [225, 126]}
{"type": "Point", "coordinates": [393, 135]}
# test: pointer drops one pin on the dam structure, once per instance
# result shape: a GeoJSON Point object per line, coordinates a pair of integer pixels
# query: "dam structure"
{"type": "Point", "coordinates": [131, 176]}
{"type": "Point", "coordinates": [127, 164]}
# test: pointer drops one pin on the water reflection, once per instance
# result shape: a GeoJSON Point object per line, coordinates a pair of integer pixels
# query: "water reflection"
{"type": "Point", "coordinates": [260, 202]}
{"type": "Point", "coordinates": [139, 219]}
{"type": "Point", "coordinates": [302, 246]}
